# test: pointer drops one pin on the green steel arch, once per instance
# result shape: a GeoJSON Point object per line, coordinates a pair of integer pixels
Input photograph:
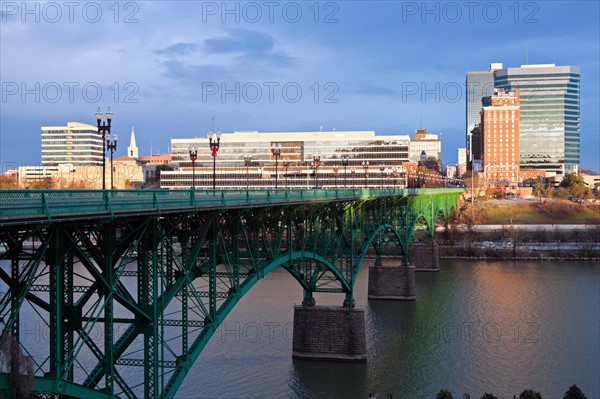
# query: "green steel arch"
{"type": "Point", "coordinates": [142, 283]}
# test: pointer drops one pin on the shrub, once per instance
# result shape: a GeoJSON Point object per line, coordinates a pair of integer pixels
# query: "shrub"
{"type": "Point", "coordinates": [530, 394]}
{"type": "Point", "coordinates": [444, 394]}
{"type": "Point", "coordinates": [574, 393]}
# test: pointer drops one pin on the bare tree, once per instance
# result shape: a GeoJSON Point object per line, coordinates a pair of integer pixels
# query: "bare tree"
{"type": "Point", "coordinates": [470, 216]}
{"type": "Point", "coordinates": [18, 366]}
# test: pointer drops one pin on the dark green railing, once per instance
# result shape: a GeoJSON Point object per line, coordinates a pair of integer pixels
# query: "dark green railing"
{"type": "Point", "coordinates": [23, 206]}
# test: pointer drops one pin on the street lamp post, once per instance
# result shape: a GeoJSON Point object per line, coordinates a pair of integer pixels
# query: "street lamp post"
{"type": "Point", "coordinates": [72, 172]}
{"type": "Point", "coordinates": [214, 143]}
{"type": "Point", "coordinates": [387, 176]}
{"type": "Point", "coordinates": [345, 164]}
{"type": "Point", "coordinates": [247, 163]}
{"type": "Point", "coordinates": [103, 128]}
{"type": "Point", "coordinates": [335, 175]}
{"type": "Point", "coordinates": [259, 173]}
{"type": "Point", "coordinates": [286, 166]}
{"type": "Point", "coordinates": [381, 169]}
{"type": "Point", "coordinates": [193, 157]}
{"type": "Point", "coordinates": [111, 145]}
{"type": "Point", "coordinates": [316, 161]}
{"type": "Point", "coordinates": [353, 171]}
{"type": "Point", "coordinates": [365, 165]}
{"type": "Point", "coordinates": [276, 151]}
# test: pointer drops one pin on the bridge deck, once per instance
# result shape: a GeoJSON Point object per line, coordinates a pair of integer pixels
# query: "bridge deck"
{"type": "Point", "coordinates": [21, 207]}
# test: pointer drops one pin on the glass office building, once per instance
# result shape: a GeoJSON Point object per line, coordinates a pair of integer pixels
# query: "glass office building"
{"type": "Point", "coordinates": [550, 112]}
{"type": "Point", "coordinates": [306, 159]}
{"type": "Point", "coordinates": [479, 84]}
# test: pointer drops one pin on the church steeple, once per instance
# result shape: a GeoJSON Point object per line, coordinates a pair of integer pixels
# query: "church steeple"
{"type": "Point", "coordinates": [132, 150]}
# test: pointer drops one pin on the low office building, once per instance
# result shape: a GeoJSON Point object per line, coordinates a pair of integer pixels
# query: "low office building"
{"type": "Point", "coordinates": [290, 159]}
{"type": "Point", "coordinates": [427, 143]}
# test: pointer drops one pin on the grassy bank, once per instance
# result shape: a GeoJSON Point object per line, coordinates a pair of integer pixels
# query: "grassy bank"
{"type": "Point", "coordinates": [528, 212]}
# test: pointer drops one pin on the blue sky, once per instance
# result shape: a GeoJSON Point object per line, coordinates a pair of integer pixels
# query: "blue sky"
{"type": "Point", "coordinates": [168, 67]}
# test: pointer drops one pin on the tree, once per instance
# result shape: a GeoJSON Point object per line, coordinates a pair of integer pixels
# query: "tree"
{"type": "Point", "coordinates": [444, 394]}
{"type": "Point", "coordinates": [42, 184]}
{"type": "Point", "coordinates": [8, 182]}
{"type": "Point", "coordinates": [474, 183]}
{"type": "Point", "coordinates": [571, 179]}
{"type": "Point", "coordinates": [488, 396]}
{"type": "Point", "coordinates": [539, 190]}
{"type": "Point", "coordinates": [562, 193]}
{"type": "Point", "coordinates": [575, 185]}
{"type": "Point", "coordinates": [18, 365]}
{"type": "Point", "coordinates": [549, 192]}
{"type": "Point", "coordinates": [450, 224]}
{"type": "Point", "coordinates": [574, 393]}
{"type": "Point", "coordinates": [530, 394]}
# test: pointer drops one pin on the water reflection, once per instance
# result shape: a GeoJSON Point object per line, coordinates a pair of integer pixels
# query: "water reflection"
{"type": "Point", "coordinates": [499, 327]}
{"type": "Point", "coordinates": [475, 327]}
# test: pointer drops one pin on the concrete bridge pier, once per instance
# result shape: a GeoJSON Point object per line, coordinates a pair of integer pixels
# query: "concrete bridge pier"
{"type": "Point", "coordinates": [392, 282]}
{"type": "Point", "coordinates": [425, 257]}
{"type": "Point", "coordinates": [335, 333]}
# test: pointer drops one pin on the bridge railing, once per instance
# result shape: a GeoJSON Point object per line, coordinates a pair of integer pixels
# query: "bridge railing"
{"type": "Point", "coordinates": [46, 204]}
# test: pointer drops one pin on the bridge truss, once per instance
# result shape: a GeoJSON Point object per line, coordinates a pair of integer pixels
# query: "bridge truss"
{"type": "Point", "coordinates": [127, 296]}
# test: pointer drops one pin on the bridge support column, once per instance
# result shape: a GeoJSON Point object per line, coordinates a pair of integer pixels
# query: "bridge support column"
{"type": "Point", "coordinates": [392, 282]}
{"type": "Point", "coordinates": [425, 257]}
{"type": "Point", "coordinates": [334, 333]}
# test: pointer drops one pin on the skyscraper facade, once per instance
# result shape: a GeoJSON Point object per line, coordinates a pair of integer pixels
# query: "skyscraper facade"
{"type": "Point", "coordinates": [479, 84]}
{"type": "Point", "coordinates": [550, 114]}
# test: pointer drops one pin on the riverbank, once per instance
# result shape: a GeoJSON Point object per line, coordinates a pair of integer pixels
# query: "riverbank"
{"type": "Point", "coordinates": [532, 212]}
{"type": "Point", "coordinates": [520, 254]}
{"type": "Point", "coordinates": [519, 242]}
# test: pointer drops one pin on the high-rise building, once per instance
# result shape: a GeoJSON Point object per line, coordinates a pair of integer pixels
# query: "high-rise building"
{"type": "Point", "coordinates": [479, 84]}
{"type": "Point", "coordinates": [76, 144]}
{"type": "Point", "coordinates": [550, 112]}
{"type": "Point", "coordinates": [500, 121]}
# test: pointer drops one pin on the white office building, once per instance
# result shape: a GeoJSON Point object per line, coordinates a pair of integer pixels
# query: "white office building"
{"type": "Point", "coordinates": [427, 143]}
{"type": "Point", "coordinates": [290, 159]}
{"type": "Point", "coordinates": [77, 144]}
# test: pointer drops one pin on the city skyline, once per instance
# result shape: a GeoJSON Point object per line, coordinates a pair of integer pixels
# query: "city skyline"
{"type": "Point", "coordinates": [358, 65]}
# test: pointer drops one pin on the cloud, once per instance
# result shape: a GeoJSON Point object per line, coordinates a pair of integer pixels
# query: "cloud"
{"type": "Point", "coordinates": [194, 73]}
{"type": "Point", "coordinates": [240, 52]}
{"type": "Point", "coordinates": [241, 41]}
{"type": "Point", "coordinates": [178, 49]}
{"type": "Point", "coordinates": [373, 90]}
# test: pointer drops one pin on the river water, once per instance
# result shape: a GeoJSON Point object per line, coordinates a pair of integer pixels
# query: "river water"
{"type": "Point", "coordinates": [476, 327]}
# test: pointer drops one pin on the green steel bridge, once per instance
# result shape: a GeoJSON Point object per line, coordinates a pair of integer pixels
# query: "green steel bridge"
{"type": "Point", "coordinates": [131, 285]}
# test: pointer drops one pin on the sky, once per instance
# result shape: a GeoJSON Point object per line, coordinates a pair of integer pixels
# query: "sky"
{"type": "Point", "coordinates": [168, 67]}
